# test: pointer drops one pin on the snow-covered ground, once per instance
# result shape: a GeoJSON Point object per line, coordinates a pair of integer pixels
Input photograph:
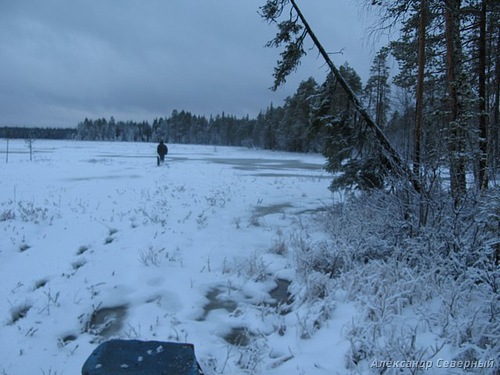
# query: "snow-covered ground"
{"type": "Point", "coordinates": [97, 242]}
{"type": "Point", "coordinates": [237, 251]}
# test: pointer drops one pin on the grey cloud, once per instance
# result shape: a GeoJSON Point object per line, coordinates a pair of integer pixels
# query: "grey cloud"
{"type": "Point", "coordinates": [66, 60]}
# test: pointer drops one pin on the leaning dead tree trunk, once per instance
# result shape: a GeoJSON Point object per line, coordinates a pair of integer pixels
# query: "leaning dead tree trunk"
{"type": "Point", "coordinates": [391, 153]}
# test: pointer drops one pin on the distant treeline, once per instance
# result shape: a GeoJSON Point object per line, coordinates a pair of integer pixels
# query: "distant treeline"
{"type": "Point", "coordinates": [37, 133]}
{"type": "Point", "coordinates": [294, 126]}
{"type": "Point", "coordinates": [280, 128]}
{"type": "Point", "coordinates": [287, 127]}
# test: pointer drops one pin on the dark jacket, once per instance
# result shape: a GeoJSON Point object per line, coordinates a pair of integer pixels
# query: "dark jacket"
{"type": "Point", "coordinates": [162, 149]}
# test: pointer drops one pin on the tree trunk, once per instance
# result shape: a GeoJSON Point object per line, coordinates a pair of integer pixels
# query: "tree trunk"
{"type": "Point", "coordinates": [495, 127]}
{"type": "Point", "coordinates": [482, 181]}
{"type": "Point", "coordinates": [456, 133]}
{"type": "Point", "coordinates": [419, 118]}
{"type": "Point", "coordinates": [392, 155]}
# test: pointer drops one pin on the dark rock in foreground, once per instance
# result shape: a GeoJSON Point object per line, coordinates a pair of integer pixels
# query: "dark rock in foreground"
{"type": "Point", "coordinates": [133, 357]}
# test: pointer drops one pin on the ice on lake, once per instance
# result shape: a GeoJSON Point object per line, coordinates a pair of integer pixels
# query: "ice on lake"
{"type": "Point", "coordinates": [98, 243]}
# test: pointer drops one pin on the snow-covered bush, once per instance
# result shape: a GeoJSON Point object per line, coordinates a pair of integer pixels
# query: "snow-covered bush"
{"type": "Point", "coordinates": [7, 214]}
{"type": "Point", "coordinates": [151, 257]}
{"type": "Point", "coordinates": [252, 267]}
{"type": "Point", "coordinates": [251, 356]}
{"type": "Point", "coordinates": [423, 272]}
{"type": "Point", "coordinates": [26, 211]}
{"type": "Point", "coordinates": [326, 257]}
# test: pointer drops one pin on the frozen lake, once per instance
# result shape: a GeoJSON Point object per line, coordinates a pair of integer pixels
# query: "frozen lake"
{"type": "Point", "coordinates": [98, 242]}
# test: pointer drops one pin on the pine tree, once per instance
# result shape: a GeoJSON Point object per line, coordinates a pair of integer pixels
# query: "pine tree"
{"type": "Point", "coordinates": [293, 128]}
{"type": "Point", "coordinates": [377, 89]}
{"type": "Point", "coordinates": [456, 92]}
{"type": "Point", "coordinates": [352, 153]}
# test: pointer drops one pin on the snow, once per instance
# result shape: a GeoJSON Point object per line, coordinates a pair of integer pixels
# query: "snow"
{"type": "Point", "coordinates": [99, 242]}
{"type": "Point", "coordinates": [231, 249]}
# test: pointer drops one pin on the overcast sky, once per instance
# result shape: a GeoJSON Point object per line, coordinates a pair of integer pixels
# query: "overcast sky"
{"type": "Point", "coordinates": [64, 60]}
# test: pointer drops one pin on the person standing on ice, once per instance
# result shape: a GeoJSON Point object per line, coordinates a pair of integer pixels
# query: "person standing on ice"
{"type": "Point", "coordinates": [161, 150]}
